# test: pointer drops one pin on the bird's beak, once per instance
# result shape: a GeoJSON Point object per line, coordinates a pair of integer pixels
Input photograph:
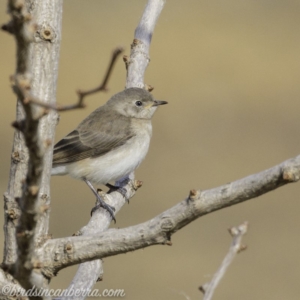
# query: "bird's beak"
{"type": "Point", "coordinates": [159, 102]}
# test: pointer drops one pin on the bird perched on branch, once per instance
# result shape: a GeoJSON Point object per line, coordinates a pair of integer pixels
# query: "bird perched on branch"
{"type": "Point", "coordinates": [110, 143]}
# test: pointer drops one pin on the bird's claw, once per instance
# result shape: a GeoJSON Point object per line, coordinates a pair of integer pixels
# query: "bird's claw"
{"type": "Point", "coordinates": [121, 190]}
{"type": "Point", "coordinates": [101, 203]}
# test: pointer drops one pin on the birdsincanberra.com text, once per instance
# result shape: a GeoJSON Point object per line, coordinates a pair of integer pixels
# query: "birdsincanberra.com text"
{"type": "Point", "coordinates": [11, 290]}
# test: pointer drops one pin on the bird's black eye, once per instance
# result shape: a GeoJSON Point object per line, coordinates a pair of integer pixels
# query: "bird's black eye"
{"type": "Point", "coordinates": [138, 103]}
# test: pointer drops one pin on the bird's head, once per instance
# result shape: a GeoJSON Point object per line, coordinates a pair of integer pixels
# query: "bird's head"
{"type": "Point", "coordinates": [135, 103]}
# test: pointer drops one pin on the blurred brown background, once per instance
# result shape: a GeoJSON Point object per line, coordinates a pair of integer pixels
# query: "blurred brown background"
{"type": "Point", "coordinates": [230, 71]}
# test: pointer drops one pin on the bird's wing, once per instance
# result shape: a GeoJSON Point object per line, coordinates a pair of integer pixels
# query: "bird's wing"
{"type": "Point", "coordinates": [91, 139]}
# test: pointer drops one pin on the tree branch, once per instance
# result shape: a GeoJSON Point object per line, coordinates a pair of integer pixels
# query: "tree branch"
{"type": "Point", "coordinates": [28, 195]}
{"type": "Point", "coordinates": [159, 229]}
{"type": "Point", "coordinates": [19, 24]}
{"type": "Point", "coordinates": [139, 56]}
{"type": "Point", "coordinates": [82, 94]}
{"type": "Point", "coordinates": [88, 273]}
{"type": "Point", "coordinates": [100, 219]}
{"type": "Point", "coordinates": [23, 30]}
{"type": "Point", "coordinates": [10, 290]}
{"type": "Point", "coordinates": [236, 247]}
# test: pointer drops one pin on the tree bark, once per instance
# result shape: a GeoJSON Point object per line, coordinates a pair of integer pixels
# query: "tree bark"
{"type": "Point", "coordinates": [36, 26]}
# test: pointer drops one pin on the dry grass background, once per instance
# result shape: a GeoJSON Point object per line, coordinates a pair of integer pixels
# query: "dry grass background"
{"type": "Point", "coordinates": [230, 71]}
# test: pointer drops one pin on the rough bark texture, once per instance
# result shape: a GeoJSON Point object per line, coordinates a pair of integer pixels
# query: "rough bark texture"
{"type": "Point", "coordinates": [36, 26]}
{"type": "Point", "coordinates": [159, 229]}
{"type": "Point", "coordinates": [139, 55]}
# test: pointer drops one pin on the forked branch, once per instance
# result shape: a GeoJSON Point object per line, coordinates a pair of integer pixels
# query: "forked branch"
{"type": "Point", "coordinates": [159, 229]}
{"type": "Point", "coordinates": [88, 273]}
{"type": "Point", "coordinates": [236, 247]}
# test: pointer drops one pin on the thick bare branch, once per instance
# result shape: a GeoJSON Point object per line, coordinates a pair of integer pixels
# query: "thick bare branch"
{"type": "Point", "coordinates": [10, 289]}
{"type": "Point", "coordinates": [139, 58]}
{"type": "Point", "coordinates": [100, 219]}
{"type": "Point", "coordinates": [23, 31]}
{"type": "Point", "coordinates": [44, 60]}
{"type": "Point", "coordinates": [159, 229]}
{"type": "Point", "coordinates": [28, 195]}
{"type": "Point", "coordinates": [136, 67]}
{"type": "Point", "coordinates": [19, 24]}
{"type": "Point", "coordinates": [236, 247]}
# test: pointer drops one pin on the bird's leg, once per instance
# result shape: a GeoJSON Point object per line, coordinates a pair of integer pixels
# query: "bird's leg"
{"type": "Point", "coordinates": [113, 188]}
{"type": "Point", "coordinates": [121, 190]}
{"type": "Point", "coordinates": [102, 203]}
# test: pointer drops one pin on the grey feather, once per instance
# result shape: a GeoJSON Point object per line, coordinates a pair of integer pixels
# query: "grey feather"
{"type": "Point", "coordinates": [93, 139]}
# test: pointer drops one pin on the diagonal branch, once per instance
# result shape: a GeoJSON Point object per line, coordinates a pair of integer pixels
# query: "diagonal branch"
{"type": "Point", "coordinates": [236, 247]}
{"type": "Point", "coordinates": [103, 85]}
{"type": "Point", "coordinates": [159, 229]}
{"type": "Point", "coordinates": [82, 94]}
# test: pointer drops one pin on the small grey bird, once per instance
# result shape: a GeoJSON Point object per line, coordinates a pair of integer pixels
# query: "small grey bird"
{"type": "Point", "coordinates": [110, 143]}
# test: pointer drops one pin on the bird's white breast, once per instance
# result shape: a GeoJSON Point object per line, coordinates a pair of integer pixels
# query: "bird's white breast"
{"type": "Point", "coordinates": [114, 164]}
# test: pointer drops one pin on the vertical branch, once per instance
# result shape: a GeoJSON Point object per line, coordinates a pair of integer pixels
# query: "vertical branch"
{"type": "Point", "coordinates": [89, 272]}
{"type": "Point", "coordinates": [44, 69]}
{"type": "Point", "coordinates": [23, 30]}
{"type": "Point", "coordinates": [139, 56]}
{"type": "Point", "coordinates": [20, 23]}
{"type": "Point", "coordinates": [27, 197]}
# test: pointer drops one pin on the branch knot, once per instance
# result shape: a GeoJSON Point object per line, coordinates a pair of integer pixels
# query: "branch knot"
{"type": "Point", "coordinates": [138, 47]}
{"type": "Point", "coordinates": [45, 33]}
{"type": "Point", "coordinates": [290, 174]}
{"type": "Point", "coordinates": [167, 224]}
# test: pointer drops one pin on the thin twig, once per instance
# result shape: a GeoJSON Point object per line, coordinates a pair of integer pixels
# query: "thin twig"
{"type": "Point", "coordinates": [236, 246]}
{"type": "Point", "coordinates": [82, 94]}
{"type": "Point", "coordinates": [103, 85]}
